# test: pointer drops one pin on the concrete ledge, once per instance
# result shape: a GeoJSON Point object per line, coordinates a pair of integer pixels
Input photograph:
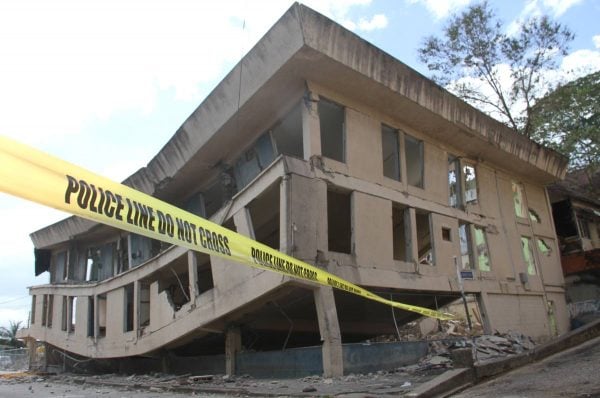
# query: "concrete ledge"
{"type": "Point", "coordinates": [571, 339]}
{"type": "Point", "coordinates": [447, 381]}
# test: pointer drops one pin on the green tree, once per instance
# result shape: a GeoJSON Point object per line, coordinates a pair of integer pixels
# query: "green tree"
{"type": "Point", "coordinates": [568, 120]}
{"type": "Point", "coordinates": [493, 70]}
{"type": "Point", "coordinates": [10, 333]}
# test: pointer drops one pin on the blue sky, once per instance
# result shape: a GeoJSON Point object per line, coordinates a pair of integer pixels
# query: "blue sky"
{"type": "Point", "coordinates": [105, 83]}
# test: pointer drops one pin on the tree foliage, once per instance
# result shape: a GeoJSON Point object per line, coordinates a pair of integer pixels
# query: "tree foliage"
{"type": "Point", "coordinates": [568, 120]}
{"type": "Point", "coordinates": [491, 69]}
{"type": "Point", "coordinates": [10, 333]}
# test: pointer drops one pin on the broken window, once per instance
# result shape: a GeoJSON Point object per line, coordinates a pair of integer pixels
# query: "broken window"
{"type": "Point", "coordinates": [462, 178]}
{"type": "Point", "coordinates": [33, 304]}
{"type": "Point", "coordinates": [129, 307]}
{"type": "Point", "coordinates": [533, 216]}
{"type": "Point", "coordinates": [520, 209]}
{"type": "Point", "coordinates": [176, 284]}
{"type": "Point", "coordinates": [253, 161]}
{"type": "Point", "coordinates": [331, 119]}
{"type": "Point", "coordinates": [64, 315]}
{"type": "Point", "coordinates": [543, 247]}
{"type": "Point", "coordinates": [424, 242]}
{"type": "Point", "coordinates": [470, 181]}
{"type": "Point", "coordinates": [339, 222]}
{"type": "Point", "coordinates": [91, 324]}
{"type": "Point", "coordinates": [528, 255]}
{"type": "Point", "coordinates": [72, 313]}
{"type": "Point", "coordinates": [50, 310]}
{"type": "Point", "coordinates": [288, 134]}
{"type": "Point", "coordinates": [466, 251]}
{"type": "Point", "coordinates": [399, 225]}
{"type": "Point", "coordinates": [390, 148]}
{"type": "Point", "coordinates": [264, 214]}
{"type": "Point", "coordinates": [483, 257]}
{"type": "Point", "coordinates": [101, 262]}
{"type": "Point", "coordinates": [204, 272]}
{"type": "Point", "coordinates": [413, 153]}
{"type": "Point", "coordinates": [454, 186]}
{"type": "Point", "coordinates": [140, 248]}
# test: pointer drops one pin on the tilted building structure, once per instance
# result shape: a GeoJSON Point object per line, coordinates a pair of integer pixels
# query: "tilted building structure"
{"type": "Point", "coordinates": [325, 147]}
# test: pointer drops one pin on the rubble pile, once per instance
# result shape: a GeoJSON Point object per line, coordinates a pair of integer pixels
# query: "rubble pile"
{"type": "Point", "coordinates": [500, 345]}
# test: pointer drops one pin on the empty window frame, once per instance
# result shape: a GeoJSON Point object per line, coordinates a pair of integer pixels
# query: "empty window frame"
{"type": "Point", "coordinates": [264, 214]}
{"type": "Point", "coordinates": [415, 161]}
{"type": "Point", "coordinates": [518, 200]}
{"type": "Point", "coordinates": [129, 307]}
{"type": "Point", "coordinates": [462, 183]}
{"type": "Point", "coordinates": [288, 134]}
{"type": "Point", "coordinates": [91, 320]}
{"type": "Point", "coordinates": [534, 216]}
{"type": "Point", "coordinates": [64, 315]}
{"type": "Point", "coordinates": [390, 149]}
{"type": "Point", "coordinates": [474, 251]}
{"type": "Point", "coordinates": [584, 228]}
{"type": "Point", "coordinates": [33, 305]}
{"type": "Point", "coordinates": [332, 123]}
{"type": "Point", "coordinates": [399, 233]}
{"type": "Point", "coordinates": [528, 255]}
{"type": "Point", "coordinates": [339, 221]}
{"type": "Point", "coordinates": [144, 313]}
{"type": "Point", "coordinates": [204, 273]}
{"type": "Point", "coordinates": [50, 310]}
{"type": "Point", "coordinates": [424, 238]}
{"type": "Point", "coordinates": [543, 246]}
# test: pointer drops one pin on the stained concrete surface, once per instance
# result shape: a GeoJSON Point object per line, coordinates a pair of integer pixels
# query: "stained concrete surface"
{"type": "Point", "coordinates": [571, 373]}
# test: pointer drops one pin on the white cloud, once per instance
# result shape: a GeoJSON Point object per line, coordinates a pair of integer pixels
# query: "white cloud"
{"type": "Point", "coordinates": [378, 21]}
{"type": "Point", "coordinates": [596, 40]}
{"type": "Point", "coordinates": [536, 8]}
{"type": "Point", "coordinates": [559, 7]}
{"type": "Point", "coordinates": [441, 8]}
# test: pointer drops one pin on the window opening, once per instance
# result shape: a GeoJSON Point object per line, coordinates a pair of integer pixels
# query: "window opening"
{"type": "Point", "coordinates": [101, 315]}
{"type": "Point", "coordinates": [140, 248]}
{"type": "Point", "coordinates": [446, 234]}
{"type": "Point", "coordinates": [59, 267]}
{"type": "Point", "coordinates": [424, 242]}
{"type": "Point", "coordinates": [331, 120]}
{"type": "Point", "coordinates": [544, 247]}
{"type": "Point", "coordinates": [33, 304]}
{"type": "Point", "coordinates": [454, 188]}
{"type": "Point", "coordinates": [399, 226]}
{"type": "Point", "coordinates": [204, 271]}
{"type": "Point", "coordinates": [253, 161]}
{"type": "Point", "coordinates": [129, 307]}
{"type": "Point", "coordinates": [534, 216]}
{"type": "Point", "coordinates": [50, 310]}
{"type": "Point", "coordinates": [390, 148]}
{"type": "Point", "coordinates": [64, 315]}
{"type": "Point", "coordinates": [44, 309]}
{"type": "Point", "coordinates": [517, 190]}
{"type": "Point", "coordinates": [264, 214]}
{"type": "Point", "coordinates": [73, 313]}
{"type": "Point", "coordinates": [91, 324]}
{"type": "Point", "coordinates": [466, 250]}
{"type": "Point", "coordinates": [413, 149]}
{"type": "Point", "coordinates": [483, 257]}
{"type": "Point", "coordinates": [584, 229]}
{"type": "Point", "coordinates": [144, 304]}
{"type": "Point", "coordinates": [528, 255]}
{"type": "Point", "coordinates": [339, 222]}
{"type": "Point", "coordinates": [288, 134]}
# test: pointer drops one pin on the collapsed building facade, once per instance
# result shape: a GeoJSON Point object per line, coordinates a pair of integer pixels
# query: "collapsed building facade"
{"type": "Point", "coordinates": [326, 148]}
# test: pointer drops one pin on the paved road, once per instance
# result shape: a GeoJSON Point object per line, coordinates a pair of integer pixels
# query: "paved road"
{"type": "Point", "coordinates": [571, 373]}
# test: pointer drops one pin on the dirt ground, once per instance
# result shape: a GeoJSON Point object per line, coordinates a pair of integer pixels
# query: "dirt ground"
{"type": "Point", "coordinates": [572, 373]}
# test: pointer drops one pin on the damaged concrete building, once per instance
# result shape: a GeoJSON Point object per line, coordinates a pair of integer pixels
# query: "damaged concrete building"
{"type": "Point", "coordinates": [323, 146]}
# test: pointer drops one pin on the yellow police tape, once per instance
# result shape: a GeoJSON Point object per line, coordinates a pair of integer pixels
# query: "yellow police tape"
{"type": "Point", "coordinates": [34, 175]}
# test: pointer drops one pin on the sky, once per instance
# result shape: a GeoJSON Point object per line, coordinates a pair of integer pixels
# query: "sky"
{"type": "Point", "coordinates": [105, 83]}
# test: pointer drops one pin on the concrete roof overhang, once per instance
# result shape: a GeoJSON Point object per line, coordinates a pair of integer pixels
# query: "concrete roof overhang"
{"type": "Point", "coordinates": [306, 46]}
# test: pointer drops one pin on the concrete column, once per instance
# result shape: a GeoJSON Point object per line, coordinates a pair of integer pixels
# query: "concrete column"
{"type": "Point", "coordinates": [193, 275]}
{"type": "Point", "coordinates": [233, 344]}
{"type": "Point", "coordinates": [243, 223]}
{"type": "Point", "coordinates": [311, 129]}
{"type": "Point", "coordinates": [329, 327]}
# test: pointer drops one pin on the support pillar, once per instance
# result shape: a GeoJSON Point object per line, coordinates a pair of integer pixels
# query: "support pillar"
{"type": "Point", "coordinates": [193, 275]}
{"type": "Point", "coordinates": [233, 345]}
{"type": "Point", "coordinates": [329, 327]}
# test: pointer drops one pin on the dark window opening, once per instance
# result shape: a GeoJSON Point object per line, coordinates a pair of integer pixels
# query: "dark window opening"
{"type": "Point", "coordinates": [33, 304]}
{"type": "Point", "coordinates": [339, 222]}
{"type": "Point", "coordinates": [399, 234]}
{"type": "Point", "coordinates": [204, 273]}
{"type": "Point", "coordinates": [50, 310]}
{"type": "Point", "coordinates": [414, 156]}
{"type": "Point", "coordinates": [584, 228]}
{"type": "Point", "coordinates": [424, 241]}
{"type": "Point", "coordinates": [144, 305]}
{"type": "Point", "coordinates": [331, 119]}
{"type": "Point", "coordinates": [64, 315]}
{"type": "Point", "coordinates": [129, 307]}
{"type": "Point", "coordinates": [390, 148]}
{"type": "Point", "coordinates": [101, 315]}
{"type": "Point", "coordinates": [288, 134]}
{"type": "Point", "coordinates": [91, 324]}
{"type": "Point", "coordinates": [264, 214]}
{"type": "Point", "coordinates": [44, 309]}
{"type": "Point", "coordinates": [446, 234]}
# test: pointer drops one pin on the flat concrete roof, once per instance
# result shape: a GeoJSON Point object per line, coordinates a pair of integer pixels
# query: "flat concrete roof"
{"type": "Point", "coordinates": [306, 46]}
